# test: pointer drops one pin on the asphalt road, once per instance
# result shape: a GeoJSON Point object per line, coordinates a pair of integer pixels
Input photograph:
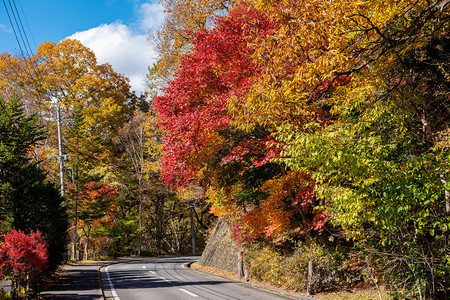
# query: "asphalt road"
{"type": "Point", "coordinates": [168, 278]}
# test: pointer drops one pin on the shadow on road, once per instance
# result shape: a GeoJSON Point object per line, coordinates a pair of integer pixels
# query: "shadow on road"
{"type": "Point", "coordinates": [77, 282]}
{"type": "Point", "coordinates": [142, 280]}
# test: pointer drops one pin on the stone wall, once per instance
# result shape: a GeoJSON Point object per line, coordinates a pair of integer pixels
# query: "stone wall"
{"type": "Point", "coordinates": [221, 251]}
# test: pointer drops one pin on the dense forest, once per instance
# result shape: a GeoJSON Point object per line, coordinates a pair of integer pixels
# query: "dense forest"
{"type": "Point", "coordinates": [319, 130]}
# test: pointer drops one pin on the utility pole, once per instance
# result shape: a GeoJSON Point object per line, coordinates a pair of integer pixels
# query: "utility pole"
{"type": "Point", "coordinates": [140, 218]}
{"type": "Point", "coordinates": [75, 233]}
{"type": "Point", "coordinates": [60, 149]}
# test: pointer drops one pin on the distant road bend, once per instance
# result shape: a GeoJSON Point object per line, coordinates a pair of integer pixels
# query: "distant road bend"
{"type": "Point", "coordinates": [168, 278]}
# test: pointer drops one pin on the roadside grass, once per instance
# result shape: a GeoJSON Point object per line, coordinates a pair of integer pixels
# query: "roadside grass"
{"type": "Point", "coordinates": [367, 294]}
{"type": "Point", "coordinates": [217, 271]}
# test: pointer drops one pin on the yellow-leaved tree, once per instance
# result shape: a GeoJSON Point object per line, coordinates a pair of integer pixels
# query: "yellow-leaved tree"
{"type": "Point", "coordinates": [95, 100]}
{"type": "Point", "coordinates": [183, 20]}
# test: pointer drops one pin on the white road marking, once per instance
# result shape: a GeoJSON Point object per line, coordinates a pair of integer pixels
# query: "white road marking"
{"type": "Point", "coordinates": [165, 279]}
{"type": "Point", "coordinates": [183, 266]}
{"type": "Point", "coordinates": [111, 286]}
{"type": "Point", "coordinates": [152, 272]}
{"type": "Point", "coordinates": [143, 267]}
{"type": "Point", "coordinates": [189, 293]}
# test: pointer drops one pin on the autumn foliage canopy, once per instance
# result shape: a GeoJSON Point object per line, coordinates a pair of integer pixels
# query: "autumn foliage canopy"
{"type": "Point", "coordinates": [303, 118]}
{"type": "Point", "coordinates": [204, 140]}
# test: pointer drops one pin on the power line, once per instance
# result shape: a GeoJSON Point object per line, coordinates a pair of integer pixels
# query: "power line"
{"type": "Point", "coordinates": [1, 101]}
{"type": "Point", "coordinates": [23, 29]}
{"type": "Point", "coordinates": [18, 30]}
{"type": "Point", "coordinates": [28, 26]}
{"type": "Point", "coordinates": [10, 21]}
{"type": "Point", "coordinates": [34, 74]}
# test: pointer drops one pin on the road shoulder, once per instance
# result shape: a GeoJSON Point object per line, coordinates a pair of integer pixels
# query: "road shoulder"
{"type": "Point", "coordinates": [77, 281]}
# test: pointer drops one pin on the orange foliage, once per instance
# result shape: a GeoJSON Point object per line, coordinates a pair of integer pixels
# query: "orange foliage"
{"type": "Point", "coordinates": [289, 195]}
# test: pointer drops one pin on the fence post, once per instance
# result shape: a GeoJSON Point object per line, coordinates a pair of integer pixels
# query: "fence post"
{"type": "Point", "coordinates": [310, 277]}
{"type": "Point", "coordinates": [241, 264]}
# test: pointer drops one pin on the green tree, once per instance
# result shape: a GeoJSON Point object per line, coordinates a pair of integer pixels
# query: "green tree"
{"type": "Point", "coordinates": [382, 164]}
{"type": "Point", "coordinates": [28, 201]}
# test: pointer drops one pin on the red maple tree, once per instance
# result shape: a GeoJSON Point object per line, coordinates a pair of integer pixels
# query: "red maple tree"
{"type": "Point", "coordinates": [193, 109]}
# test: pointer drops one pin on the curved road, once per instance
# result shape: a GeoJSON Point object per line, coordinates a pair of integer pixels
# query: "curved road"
{"type": "Point", "coordinates": [168, 278]}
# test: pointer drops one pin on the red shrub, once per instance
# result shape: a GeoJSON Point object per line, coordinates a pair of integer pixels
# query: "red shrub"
{"type": "Point", "coordinates": [23, 257]}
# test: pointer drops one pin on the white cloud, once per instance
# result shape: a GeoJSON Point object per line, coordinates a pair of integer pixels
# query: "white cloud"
{"type": "Point", "coordinates": [127, 51]}
{"type": "Point", "coordinates": [151, 16]}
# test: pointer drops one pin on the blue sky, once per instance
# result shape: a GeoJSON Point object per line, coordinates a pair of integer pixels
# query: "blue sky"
{"type": "Point", "coordinates": [116, 30]}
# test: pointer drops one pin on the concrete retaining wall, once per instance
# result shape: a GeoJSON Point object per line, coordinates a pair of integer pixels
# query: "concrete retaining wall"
{"type": "Point", "coordinates": [221, 251]}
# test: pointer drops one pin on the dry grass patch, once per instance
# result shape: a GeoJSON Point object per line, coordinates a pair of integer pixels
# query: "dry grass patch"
{"type": "Point", "coordinates": [213, 270]}
{"type": "Point", "coordinates": [369, 294]}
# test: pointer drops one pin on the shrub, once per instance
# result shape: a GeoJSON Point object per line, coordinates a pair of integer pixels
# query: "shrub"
{"type": "Point", "coordinates": [331, 267]}
{"type": "Point", "coordinates": [266, 265]}
{"type": "Point", "coordinates": [23, 258]}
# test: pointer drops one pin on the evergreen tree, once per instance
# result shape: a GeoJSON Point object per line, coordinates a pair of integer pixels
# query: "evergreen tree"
{"type": "Point", "coordinates": [28, 201]}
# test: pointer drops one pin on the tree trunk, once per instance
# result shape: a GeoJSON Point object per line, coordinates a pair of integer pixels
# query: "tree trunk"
{"type": "Point", "coordinates": [87, 243]}
{"type": "Point", "coordinates": [86, 250]}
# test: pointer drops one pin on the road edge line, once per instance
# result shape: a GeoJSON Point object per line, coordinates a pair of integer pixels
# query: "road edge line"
{"type": "Point", "coordinates": [104, 266]}
{"type": "Point", "coordinates": [111, 286]}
